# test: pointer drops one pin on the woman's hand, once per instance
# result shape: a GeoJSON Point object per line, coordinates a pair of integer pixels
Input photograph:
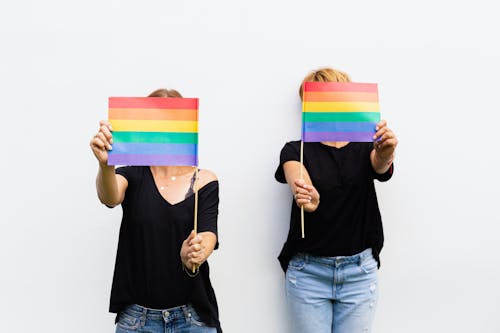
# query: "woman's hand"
{"type": "Point", "coordinates": [193, 251]}
{"type": "Point", "coordinates": [384, 147]}
{"type": "Point", "coordinates": [101, 142]}
{"type": "Point", "coordinates": [306, 195]}
{"type": "Point", "coordinates": [110, 186]}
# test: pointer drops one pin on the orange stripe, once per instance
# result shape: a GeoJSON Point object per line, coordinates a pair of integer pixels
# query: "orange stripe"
{"type": "Point", "coordinates": [153, 114]}
{"type": "Point", "coordinates": [334, 96]}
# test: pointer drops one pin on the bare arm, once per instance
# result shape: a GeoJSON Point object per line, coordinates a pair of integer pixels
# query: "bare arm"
{"type": "Point", "coordinates": [110, 186]}
{"type": "Point", "coordinates": [382, 154]}
{"type": "Point", "coordinates": [304, 193]}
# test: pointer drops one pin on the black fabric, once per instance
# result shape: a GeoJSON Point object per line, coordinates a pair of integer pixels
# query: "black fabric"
{"type": "Point", "coordinates": [347, 220]}
{"type": "Point", "coordinates": [148, 268]}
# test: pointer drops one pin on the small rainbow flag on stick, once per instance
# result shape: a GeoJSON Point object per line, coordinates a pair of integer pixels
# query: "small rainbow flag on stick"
{"type": "Point", "coordinates": [339, 111]}
{"type": "Point", "coordinates": [154, 131]}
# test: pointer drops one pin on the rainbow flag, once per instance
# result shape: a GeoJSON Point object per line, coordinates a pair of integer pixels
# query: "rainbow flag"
{"type": "Point", "coordinates": [154, 131]}
{"type": "Point", "coordinates": [339, 111]}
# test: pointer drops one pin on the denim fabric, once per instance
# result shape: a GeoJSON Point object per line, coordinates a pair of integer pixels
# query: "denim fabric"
{"type": "Point", "coordinates": [332, 294]}
{"type": "Point", "coordinates": [181, 319]}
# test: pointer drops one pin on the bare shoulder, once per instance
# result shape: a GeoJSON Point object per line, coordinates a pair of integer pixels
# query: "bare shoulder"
{"type": "Point", "coordinates": [206, 176]}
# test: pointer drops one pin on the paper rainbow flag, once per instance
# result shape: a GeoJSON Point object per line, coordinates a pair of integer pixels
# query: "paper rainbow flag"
{"type": "Point", "coordinates": [153, 131]}
{"type": "Point", "coordinates": [339, 111]}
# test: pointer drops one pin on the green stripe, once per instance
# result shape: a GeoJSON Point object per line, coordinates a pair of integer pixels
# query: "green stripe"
{"type": "Point", "coordinates": [340, 116]}
{"type": "Point", "coordinates": [155, 137]}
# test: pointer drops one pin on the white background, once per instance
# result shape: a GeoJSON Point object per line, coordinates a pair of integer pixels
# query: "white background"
{"type": "Point", "coordinates": [436, 63]}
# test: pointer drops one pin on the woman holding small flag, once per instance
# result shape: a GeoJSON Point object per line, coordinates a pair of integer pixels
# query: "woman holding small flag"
{"type": "Point", "coordinates": [331, 261]}
{"type": "Point", "coordinates": [161, 278]}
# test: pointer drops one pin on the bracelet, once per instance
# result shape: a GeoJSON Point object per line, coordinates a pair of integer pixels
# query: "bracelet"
{"type": "Point", "coordinates": [190, 274]}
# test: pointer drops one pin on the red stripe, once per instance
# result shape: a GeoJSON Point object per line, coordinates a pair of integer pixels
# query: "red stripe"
{"type": "Point", "coordinates": [340, 86]}
{"type": "Point", "coordinates": [153, 103]}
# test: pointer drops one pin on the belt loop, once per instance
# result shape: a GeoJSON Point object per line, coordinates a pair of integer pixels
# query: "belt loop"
{"type": "Point", "coordinates": [143, 317]}
{"type": "Point", "coordinates": [361, 258]}
{"type": "Point", "coordinates": [187, 314]}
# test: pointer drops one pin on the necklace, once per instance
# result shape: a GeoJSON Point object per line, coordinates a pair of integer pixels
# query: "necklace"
{"type": "Point", "coordinates": [163, 187]}
{"type": "Point", "coordinates": [164, 182]}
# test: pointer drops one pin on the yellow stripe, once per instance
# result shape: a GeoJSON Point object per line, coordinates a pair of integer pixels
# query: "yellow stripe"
{"type": "Point", "coordinates": [341, 107]}
{"type": "Point", "coordinates": [154, 125]}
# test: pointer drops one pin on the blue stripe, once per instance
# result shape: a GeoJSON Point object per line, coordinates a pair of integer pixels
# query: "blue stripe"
{"type": "Point", "coordinates": [154, 148]}
{"type": "Point", "coordinates": [339, 126]}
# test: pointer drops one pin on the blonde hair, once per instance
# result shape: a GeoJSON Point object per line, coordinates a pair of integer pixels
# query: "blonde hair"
{"type": "Point", "coordinates": [165, 93]}
{"type": "Point", "coordinates": [324, 75]}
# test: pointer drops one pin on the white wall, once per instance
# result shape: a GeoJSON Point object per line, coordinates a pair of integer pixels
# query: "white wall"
{"type": "Point", "coordinates": [437, 67]}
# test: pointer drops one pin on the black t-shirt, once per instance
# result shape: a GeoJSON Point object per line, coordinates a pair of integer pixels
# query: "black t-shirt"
{"type": "Point", "coordinates": [148, 268]}
{"type": "Point", "coordinates": [347, 220]}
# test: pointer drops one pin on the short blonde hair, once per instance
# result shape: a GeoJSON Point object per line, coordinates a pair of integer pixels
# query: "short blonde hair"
{"type": "Point", "coordinates": [165, 93]}
{"type": "Point", "coordinates": [324, 75]}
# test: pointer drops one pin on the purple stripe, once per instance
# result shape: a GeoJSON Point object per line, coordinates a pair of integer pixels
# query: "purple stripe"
{"type": "Point", "coordinates": [338, 136]}
{"type": "Point", "coordinates": [136, 159]}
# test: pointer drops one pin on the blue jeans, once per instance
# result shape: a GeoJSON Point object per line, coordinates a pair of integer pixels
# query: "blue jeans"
{"type": "Point", "coordinates": [332, 294]}
{"type": "Point", "coordinates": [181, 319]}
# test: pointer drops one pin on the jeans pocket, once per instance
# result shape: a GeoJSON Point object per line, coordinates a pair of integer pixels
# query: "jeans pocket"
{"type": "Point", "coordinates": [297, 262]}
{"type": "Point", "coordinates": [369, 265]}
{"type": "Point", "coordinates": [193, 318]}
{"type": "Point", "coordinates": [127, 322]}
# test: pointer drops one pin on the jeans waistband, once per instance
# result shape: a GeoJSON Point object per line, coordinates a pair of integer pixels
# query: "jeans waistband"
{"type": "Point", "coordinates": [171, 313]}
{"type": "Point", "coordinates": [339, 260]}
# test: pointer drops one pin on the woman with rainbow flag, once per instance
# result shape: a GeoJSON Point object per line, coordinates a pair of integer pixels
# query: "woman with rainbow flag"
{"type": "Point", "coordinates": [331, 267]}
{"type": "Point", "coordinates": [161, 279]}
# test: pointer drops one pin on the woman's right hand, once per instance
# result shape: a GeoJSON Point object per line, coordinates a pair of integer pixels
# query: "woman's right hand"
{"type": "Point", "coordinates": [193, 251]}
{"type": "Point", "coordinates": [102, 141]}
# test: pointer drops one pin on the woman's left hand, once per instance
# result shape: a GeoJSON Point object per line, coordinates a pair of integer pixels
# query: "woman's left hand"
{"type": "Point", "coordinates": [385, 142]}
{"type": "Point", "coordinates": [193, 251]}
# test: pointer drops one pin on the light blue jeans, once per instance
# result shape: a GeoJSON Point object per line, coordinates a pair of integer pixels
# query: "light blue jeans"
{"type": "Point", "coordinates": [332, 294]}
{"type": "Point", "coordinates": [181, 319]}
